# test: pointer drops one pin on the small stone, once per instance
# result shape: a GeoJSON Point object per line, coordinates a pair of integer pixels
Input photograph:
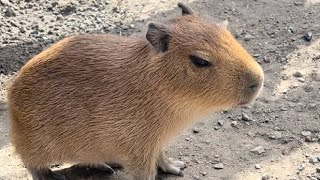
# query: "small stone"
{"type": "Point", "coordinates": [132, 26]}
{"type": "Point", "coordinates": [308, 36]}
{"type": "Point", "coordinates": [245, 117]}
{"type": "Point", "coordinates": [218, 166]}
{"type": "Point", "coordinates": [234, 123]}
{"type": "Point", "coordinates": [258, 150]}
{"type": "Point", "coordinates": [203, 173]}
{"type": "Point", "coordinates": [195, 177]}
{"type": "Point", "coordinates": [292, 29]}
{"type": "Point", "coordinates": [318, 170]}
{"type": "Point", "coordinates": [216, 127]}
{"type": "Point", "coordinates": [5, 2]}
{"type": "Point", "coordinates": [257, 166]}
{"type": "Point", "coordinates": [300, 79]}
{"type": "Point", "coordinates": [256, 55]}
{"type": "Point", "coordinates": [67, 10]}
{"type": "Point", "coordinates": [305, 133]}
{"type": "Point", "coordinates": [277, 135]}
{"type": "Point", "coordinates": [220, 122]}
{"type": "Point", "coordinates": [187, 139]}
{"type": "Point", "coordinates": [308, 88]}
{"type": "Point", "coordinates": [298, 74]}
{"type": "Point", "coordinates": [265, 177]}
{"type": "Point", "coordinates": [22, 30]}
{"type": "Point", "coordinates": [301, 167]}
{"type": "Point", "coordinates": [285, 152]}
{"type": "Point", "coordinates": [9, 12]}
{"type": "Point", "coordinates": [297, 3]}
{"type": "Point", "coordinates": [313, 160]}
{"type": "Point", "coordinates": [195, 130]}
{"type": "Point", "coordinates": [247, 37]}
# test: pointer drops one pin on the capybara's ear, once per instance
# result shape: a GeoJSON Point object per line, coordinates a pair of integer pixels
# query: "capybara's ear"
{"type": "Point", "coordinates": [186, 9]}
{"type": "Point", "coordinates": [158, 35]}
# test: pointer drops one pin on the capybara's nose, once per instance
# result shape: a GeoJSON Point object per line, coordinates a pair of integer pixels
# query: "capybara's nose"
{"type": "Point", "coordinates": [253, 83]}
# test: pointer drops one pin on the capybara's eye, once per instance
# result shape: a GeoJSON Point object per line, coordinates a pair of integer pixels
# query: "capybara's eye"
{"type": "Point", "coordinates": [199, 62]}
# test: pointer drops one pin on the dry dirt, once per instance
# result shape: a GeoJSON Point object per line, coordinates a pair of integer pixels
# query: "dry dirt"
{"type": "Point", "coordinates": [285, 119]}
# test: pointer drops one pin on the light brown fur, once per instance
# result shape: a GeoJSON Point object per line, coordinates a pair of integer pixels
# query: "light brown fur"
{"type": "Point", "coordinates": [102, 98]}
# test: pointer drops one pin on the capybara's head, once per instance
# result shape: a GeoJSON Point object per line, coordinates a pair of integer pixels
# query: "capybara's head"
{"type": "Point", "coordinates": [201, 64]}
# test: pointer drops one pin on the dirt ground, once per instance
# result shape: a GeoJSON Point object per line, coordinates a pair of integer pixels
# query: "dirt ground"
{"type": "Point", "coordinates": [277, 137]}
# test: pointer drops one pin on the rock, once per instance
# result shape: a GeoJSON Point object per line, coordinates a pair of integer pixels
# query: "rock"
{"type": "Point", "coordinates": [245, 117]}
{"type": "Point", "coordinates": [305, 133]}
{"type": "Point", "coordinates": [300, 79]}
{"type": "Point", "coordinates": [67, 10]}
{"type": "Point", "coordinates": [278, 135]}
{"type": "Point", "coordinates": [203, 173]}
{"type": "Point", "coordinates": [187, 139]}
{"type": "Point", "coordinates": [218, 166]}
{"type": "Point", "coordinates": [257, 166]}
{"type": "Point", "coordinates": [308, 88]}
{"type": "Point", "coordinates": [247, 37]}
{"type": "Point", "coordinates": [292, 29]}
{"type": "Point", "coordinates": [265, 177]}
{"type": "Point", "coordinates": [318, 170]}
{"type": "Point", "coordinates": [298, 74]}
{"type": "Point", "coordinates": [5, 2]}
{"type": "Point", "coordinates": [22, 29]}
{"type": "Point", "coordinates": [308, 36]}
{"type": "Point", "coordinates": [9, 12]}
{"type": "Point", "coordinates": [221, 122]}
{"type": "Point", "coordinates": [196, 177]}
{"type": "Point", "coordinates": [256, 55]}
{"type": "Point", "coordinates": [301, 167]}
{"type": "Point", "coordinates": [258, 150]}
{"type": "Point", "coordinates": [313, 160]}
{"type": "Point", "coordinates": [285, 152]}
{"type": "Point", "coordinates": [216, 127]}
{"type": "Point", "coordinates": [234, 123]}
{"type": "Point", "coordinates": [297, 3]}
{"type": "Point", "coordinates": [195, 130]}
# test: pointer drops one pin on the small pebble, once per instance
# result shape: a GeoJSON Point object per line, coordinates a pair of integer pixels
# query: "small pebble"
{"type": "Point", "coordinates": [257, 166]}
{"type": "Point", "coordinates": [195, 130]}
{"type": "Point", "coordinates": [265, 177]}
{"type": "Point", "coordinates": [305, 133]}
{"type": "Point", "coordinates": [9, 12]}
{"type": "Point", "coordinates": [220, 122]}
{"type": "Point", "coordinates": [247, 37]}
{"type": "Point", "coordinates": [245, 117]}
{"type": "Point", "coordinates": [308, 36]}
{"type": "Point", "coordinates": [203, 173]}
{"type": "Point", "coordinates": [234, 123]}
{"type": "Point", "coordinates": [313, 160]}
{"type": "Point", "coordinates": [196, 177]}
{"type": "Point", "coordinates": [301, 167]}
{"type": "Point", "coordinates": [258, 150]}
{"type": "Point", "coordinates": [216, 127]}
{"type": "Point", "coordinates": [298, 74]}
{"type": "Point", "coordinates": [218, 166]}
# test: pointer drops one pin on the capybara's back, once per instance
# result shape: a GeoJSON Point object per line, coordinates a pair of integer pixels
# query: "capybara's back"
{"type": "Point", "coordinates": [96, 99]}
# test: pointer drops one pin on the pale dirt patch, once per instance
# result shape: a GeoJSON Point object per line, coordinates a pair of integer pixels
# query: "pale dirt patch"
{"type": "Point", "coordinates": [286, 167]}
{"type": "Point", "coordinates": [302, 61]}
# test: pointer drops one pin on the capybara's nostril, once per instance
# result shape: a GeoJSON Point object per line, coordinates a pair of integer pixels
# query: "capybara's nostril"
{"type": "Point", "coordinates": [253, 83]}
{"type": "Point", "coordinates": [253, 87]}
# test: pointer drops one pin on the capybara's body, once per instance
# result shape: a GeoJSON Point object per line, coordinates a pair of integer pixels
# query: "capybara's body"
{"type": "Point", "coordinates": [93, 99]}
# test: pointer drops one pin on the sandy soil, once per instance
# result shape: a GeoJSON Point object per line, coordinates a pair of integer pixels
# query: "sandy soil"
{"type": "Point", "coordinates": [285, 119]}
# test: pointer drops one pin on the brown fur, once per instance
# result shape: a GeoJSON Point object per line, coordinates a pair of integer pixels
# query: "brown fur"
{"type": "Point", "coordinates": [102, 98]}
